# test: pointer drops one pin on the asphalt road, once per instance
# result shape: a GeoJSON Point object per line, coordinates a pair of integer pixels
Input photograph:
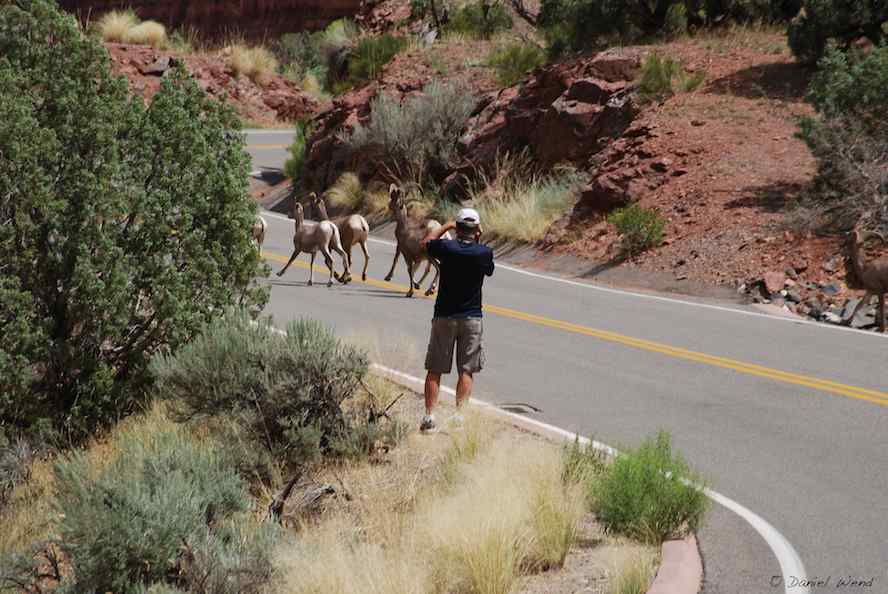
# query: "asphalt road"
{"type": "Point", "coordinates": [789, 419]}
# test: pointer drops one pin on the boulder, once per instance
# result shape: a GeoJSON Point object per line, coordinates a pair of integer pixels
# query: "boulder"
{"type": "Point", "coordinates": [774, 282]}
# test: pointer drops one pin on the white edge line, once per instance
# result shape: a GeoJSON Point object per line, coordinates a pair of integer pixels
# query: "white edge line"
{"type": "Point", "coordinates": [790, 563]}
{"type": "Point", "coordinates": [595, 287]}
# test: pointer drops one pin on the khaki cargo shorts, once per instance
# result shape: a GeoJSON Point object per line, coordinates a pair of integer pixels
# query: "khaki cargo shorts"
{"type": "Point", "coordinates": [466, 335]}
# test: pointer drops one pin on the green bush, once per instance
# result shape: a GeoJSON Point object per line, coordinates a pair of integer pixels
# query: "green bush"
{"type": "Point", "coordinates": [746, 11]}
{"type": "Point", "coordinates": [643, 494]}
{"type": "Point", "coordinates": [514, 61]}
{"type": "Point", "coordinates": [477, 20]}
{"type": "Point", "coordinates": [371, 55]}
{"type": "Point", "coordinates": [131, 224]}
{"type": "Point", "coordinates": [640, 228]}
{"type": "Point", "coordinates": [839, 21]}
{"type": "Point", "coordinates": [849, 139]}
{"type": "Point", "coordinates": [164, 508]}
{"type": "Point", "coordinates": [336, 43]}
{"type": "Point", "coordinates": [295, 163]}
{"type": "Point", "coordinates": [300, 53]}
{"type": "Point", "coordinates": [419, 136]}
{"type": "Point", "coordinates": [287, 391]}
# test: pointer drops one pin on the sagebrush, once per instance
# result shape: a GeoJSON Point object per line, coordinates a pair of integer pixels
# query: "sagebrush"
{"type": "Point", "coordinates": [418, 136]}
{"type": "Point", "coordinates": [514, 61]}
{"type": "Point", "coordinates": [286, 390]}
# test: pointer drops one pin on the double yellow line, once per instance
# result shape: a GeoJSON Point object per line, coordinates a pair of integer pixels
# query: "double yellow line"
{"type": "Point", "coordinates": [821, 385]}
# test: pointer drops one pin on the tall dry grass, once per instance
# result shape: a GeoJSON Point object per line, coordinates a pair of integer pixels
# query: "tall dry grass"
{"type": "Point", "coordinates": [256, 63]}
{"type": "Point", "coordinates": [124, 27]}
{"type": "Point", "coordinates": [451, 535]}
{"type": "Point", "coordinates": [114, 25]}
{"type": "Point", "coordinates": [635, 574]}
{"type": "Point", "coordinates": [147, 33]}
{"type": "Point", "coordinates": [347, 192]}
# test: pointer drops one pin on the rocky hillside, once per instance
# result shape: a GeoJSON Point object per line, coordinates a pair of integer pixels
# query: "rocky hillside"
{"type": "Point", "coordinates": [255, 19]}
{"type": "Point", "coordinates": [268, 103]}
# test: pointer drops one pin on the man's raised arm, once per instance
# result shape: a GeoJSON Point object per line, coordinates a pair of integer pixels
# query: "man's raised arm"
{"type": "Point", "coordinates": [437, 233]}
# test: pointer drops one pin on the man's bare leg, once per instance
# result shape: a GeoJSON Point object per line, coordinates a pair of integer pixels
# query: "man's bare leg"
{"type": "Point", "coordinates": [463, 388]}
{"type": "Point", "coordinates": [432, 386]}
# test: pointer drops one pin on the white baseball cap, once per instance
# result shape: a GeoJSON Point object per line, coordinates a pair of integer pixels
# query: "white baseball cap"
{"type": "Point", "coordinates": [468, 216]}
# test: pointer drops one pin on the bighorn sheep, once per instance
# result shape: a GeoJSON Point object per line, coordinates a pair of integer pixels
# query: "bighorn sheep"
{"type": "Point", "coordinates": [410, 242]}
{"type": "Point", "coordinates": [258, 232]}
{"type": "Point", "coordinates": [311, 237]}
{"type": "Point", "coordinates": [872, 276]}
{"type": "Point", "coordinates": [352, 229]}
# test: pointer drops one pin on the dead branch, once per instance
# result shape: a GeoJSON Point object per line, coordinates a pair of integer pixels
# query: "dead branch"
{"type": "Point", "coordinates": [276, 507]}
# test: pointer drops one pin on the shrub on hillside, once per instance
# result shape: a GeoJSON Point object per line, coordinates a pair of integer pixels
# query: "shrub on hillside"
{"type": "Point", "coordinates": [371, 55]}
{"type": "Point", "coordinates": [850, 139]}
{"type": "Point", "coordinates": [300, 53]}
{"type": "Point", "coordinates": [419, 136]}
{"type": "Point", "coordinates": [514, 61]}
{"type": "Point", "coordinates": [287, 391]}
{"type": "Point", "coordinates": [642, 494]}
{"type": "Point", "coordinates": [132, 224]}
{"type": "Point", "coordinates": [841, 21]}
{"type": "Point", "coordinates": [164, 509]}
{"type": "Point", "coordinates": [640, 228]}
{"type": "Point", "coordinates": [295, 163]}
{"type": "Point", "coordinates": [480, 19]}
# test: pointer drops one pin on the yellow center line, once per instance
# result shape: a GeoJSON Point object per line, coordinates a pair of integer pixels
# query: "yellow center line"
{"type": "Point", "coordinates": [822, 385]}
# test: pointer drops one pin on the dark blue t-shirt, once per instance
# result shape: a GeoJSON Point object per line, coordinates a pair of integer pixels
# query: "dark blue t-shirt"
{"type": "Point", "coordinates": [463, 267]}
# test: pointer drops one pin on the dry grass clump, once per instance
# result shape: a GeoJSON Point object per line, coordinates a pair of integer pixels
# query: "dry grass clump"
{"type": "Point", "coordinates": [516, 204]}
{"type": "Point", "coordinates": [147, 33]}
{"type": "Point", "coordinates": [114, 25]}
{"type": "Point", "coordinates": [256, 63]}
{"type": "Point", "coordinates": [347, 192]}
{"type": "Point", "coordinates": [635, 574]}
{"type": "Point", "coordinates": [432, 525]}
{"type": "Point", "coordinates": [124, 27]}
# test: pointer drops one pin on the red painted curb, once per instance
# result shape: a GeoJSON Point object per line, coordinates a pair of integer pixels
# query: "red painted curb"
{"type": "Point", "coordinates": [681, 569]}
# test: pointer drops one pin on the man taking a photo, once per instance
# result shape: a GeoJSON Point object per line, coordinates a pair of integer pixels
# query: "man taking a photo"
{"type": "Point", "coordinates": [457, 321]}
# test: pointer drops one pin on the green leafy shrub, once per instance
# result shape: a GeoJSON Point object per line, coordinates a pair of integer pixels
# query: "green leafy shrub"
{"type": "Point", "coordinates": [576, 25]}
{"type": "Point", "coordinates": [640, 228]}
{"type": "Point", "coordinates": [132, 224]}
{"type": "Point", "coordinates": [300, 53]}
{"type": "Point", "coordinates": [480, 19]}
{"type": "Point", "coordinates": [419, 136]}
{"type": "Point", "coordinates": [839, 21]}
{"type": "Point", "coordinates": [642, 494]}
{"type": "Point", "coordinates": [371, 55]}
{"type": "Point", "coordinates": [164, 507]}
{"type": "Point", "coordinates": [849, 139]}
{"type": "Point", "coordinates": [747, 11]}
{"type": "Point", "coordinates": [514, 61]}
{"type": "Point", "coordinates": [295, 163]}
{"type": "Point", "coordinates": [287, 391]}
{"type": "Point", "coordinates": [337, 43]}
{"type": "Point", "coordinates": [418, 8]}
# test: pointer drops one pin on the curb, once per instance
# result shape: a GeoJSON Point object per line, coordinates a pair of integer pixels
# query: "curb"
{"type": "Point", "coordinates": [681, 567]}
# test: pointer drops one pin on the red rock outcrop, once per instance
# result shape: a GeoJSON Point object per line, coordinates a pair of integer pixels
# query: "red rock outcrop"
{"type": "Point", "coordinates": [566, 112]}
{"type": "Point", "coordinates": [275, 100]}
{"type": "Point", "coordinates": [255, 19]}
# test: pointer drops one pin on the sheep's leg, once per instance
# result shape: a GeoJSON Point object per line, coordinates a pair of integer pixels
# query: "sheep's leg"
{"type": "Point", "coordinates": [410, 273]}
{"type": "Point", "coordinates": [311, 270]}
{"type": "Point", "coordinates": [434, 285]}
{"type": "Point", "coordinates": [426, 273]}
{"type": "Point", "coordinates": [865, 301]}
{"type": "Point", "coordinates": [296, 252]}
{"type": "Point", "coordinates": [336, 245]}
{"type": "Point", "coordinates": [881, 312]}
{"type": "Point", "coordinates": [388, 276]}
{"type": "Point", "coordinates": [328, 260]}
{"type": "Point", "coordinates": [366, 259]}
